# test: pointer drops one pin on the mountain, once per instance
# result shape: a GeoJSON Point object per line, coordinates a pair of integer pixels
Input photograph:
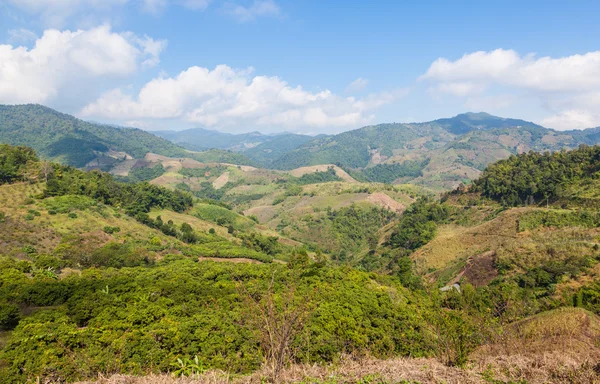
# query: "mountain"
{"type": "Point", "coordinates": [262, 149]}
{"type": "Point", "coordinates": [470, 121]}
{"type": "Point", "coordinates": [277, 145]}
{"type": "Point", "coordinates": [199, 139]}
{"type": "Point", "coordinates": [72, 141]}
{"type": "Point", "coordinates": [437, 154]}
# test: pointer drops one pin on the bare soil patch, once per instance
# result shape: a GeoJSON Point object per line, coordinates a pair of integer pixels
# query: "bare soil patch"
{"type": "Point", "coordinates": [386, 202]}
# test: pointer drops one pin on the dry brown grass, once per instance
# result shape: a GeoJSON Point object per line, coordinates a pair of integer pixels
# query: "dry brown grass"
{"type": "Point", "coordinates": [546, 368]}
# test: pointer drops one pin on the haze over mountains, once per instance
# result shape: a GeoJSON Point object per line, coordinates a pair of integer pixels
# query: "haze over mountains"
{"type": "Point", "coordinates": [438, 154]}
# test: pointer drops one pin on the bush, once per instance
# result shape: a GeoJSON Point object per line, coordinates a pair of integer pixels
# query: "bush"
{"type": "Point", "coordinates": [29, 249]}
{"type": "Point", "coordinates": [72, 215]}
{"type": "Point", "coordinates": [9, 316]}
{"type": "Point", "coordinates": [110, 230]}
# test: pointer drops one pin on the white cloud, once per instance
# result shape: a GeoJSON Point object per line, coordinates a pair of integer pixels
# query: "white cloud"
{"type": "Point", "coordinates": [60, 59]}
{"type": "Point", "coordinates": [226, 97]}
{"type": "Point", "coordinates": [357, 85]}
{"type": "Point", "coordinates": [256, 9]}
{"type": "Point", "coordinates": [572, 119]}
{"type": "Point", "coordinates": [21, 36]}
{"type": "Point", "coordinates": [557, 83]}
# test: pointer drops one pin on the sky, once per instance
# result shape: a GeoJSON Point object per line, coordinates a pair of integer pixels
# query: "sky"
{"type": "Point", "coordinates": [302, 66]}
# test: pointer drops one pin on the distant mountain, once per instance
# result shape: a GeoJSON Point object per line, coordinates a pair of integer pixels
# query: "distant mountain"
{"type": "Point", "coordinates": [72, 141]}
{"type": "Point", "coordinates": [437, 154]}
{"type": "Point", "coordinates": [199, 139]}
{"type": "Point", "coordinates": [277, 145]}
{"type": "Point", "coordinates": [261, 148]}
{"type": "Point", "coordinates": [470, 121]}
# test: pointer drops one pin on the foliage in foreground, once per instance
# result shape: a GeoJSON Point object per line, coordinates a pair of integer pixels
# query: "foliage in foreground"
{"type": "Point", "coordinates": [141, 319]}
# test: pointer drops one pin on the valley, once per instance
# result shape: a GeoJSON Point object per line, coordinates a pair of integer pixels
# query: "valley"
{"type": "Point", "coordinates": [173, 262]}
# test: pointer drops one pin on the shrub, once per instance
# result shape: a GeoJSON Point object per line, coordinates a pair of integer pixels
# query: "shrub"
{"type": "Point", "coordinates": [72, 215]}
{"type": "Point", "coordinates": [110, 230]}
{"type": "Point", "coordinates": [29, 249]}
{"type": "Point", "coordinates": [9, 316]}
{"type": "Point", "coordinates": [29, 217]}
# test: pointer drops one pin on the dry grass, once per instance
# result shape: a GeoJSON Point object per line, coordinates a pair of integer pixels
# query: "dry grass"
{"type": "Point", "coordinates": [546, 368]}
{"type": "Point", "coordinates": [298, 172]}
{"type": "Point", "coordinates": [448, 253]}
{"type": "Point", "coordinates": [221, 180]}
{"type": "Point", "coordinates": [560, 346]}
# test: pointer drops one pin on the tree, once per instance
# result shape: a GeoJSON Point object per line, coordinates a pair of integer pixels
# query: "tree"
{"type": "Point", "coordinates": [278, 317]}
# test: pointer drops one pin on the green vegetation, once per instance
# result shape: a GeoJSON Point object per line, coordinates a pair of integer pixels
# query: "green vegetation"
{"type": "Point", "coordinates": [138, 174]}
{"type": "Point", "coordinates": [140, 320]}
{"type": "Point", "coordinates": [531, 178]}
{"type": "Point", "coordinates": [72, 141]}
{"type": "Point", "coordinates": [388, 173]}
{"type": "Point", "coordinates": [316, 177]}
{"type": "Point", "coordinates": [203, 172]}
{"type": "Point", "coordinates": [559, 219]}
{"type": "Point", "coordinates": [220, 156]}
{"type": "Point", "coordinates": [135, 199]}
{"type": "Point", "coordinates": [100, 276]}
{"type": "Point", "coordinates": [14, 163]}
{"type": "Point", "coordinates": [418, 224]}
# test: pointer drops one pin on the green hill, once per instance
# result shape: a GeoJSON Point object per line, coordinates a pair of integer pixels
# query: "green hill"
{"type": "Point", "coordinates": [439, 154]}
{"type": "Point", "coordinates": [262, 149]}
{"type": "Point", "coordinates": [60, 137]}
{"type": "Point", "coordinates": [99, 276]}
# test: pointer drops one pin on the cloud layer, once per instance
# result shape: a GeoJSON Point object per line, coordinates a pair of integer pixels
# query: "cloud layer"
{"type": "Point", "coordinates": [563, 85]}
{"type": "Point", "coordinates": [226, 97]}
{"type": "Point", "coordinates": [62, 59]}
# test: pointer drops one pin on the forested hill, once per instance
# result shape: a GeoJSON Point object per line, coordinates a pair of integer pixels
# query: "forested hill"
{"type": "Point", "coordinates": [447, 151]}
{"type": "Point", "coordinates": [64, 138]}
{"type": "Point", "coordinates": [569, 177]}
{"type": "Point", "coordinates": [262, 149]}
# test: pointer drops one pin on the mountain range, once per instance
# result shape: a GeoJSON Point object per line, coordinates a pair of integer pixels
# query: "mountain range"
{"type": "Point", "coordinates": [439, 154]}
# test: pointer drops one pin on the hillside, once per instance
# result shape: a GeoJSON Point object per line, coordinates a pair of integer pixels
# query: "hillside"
{"type": "Point", "coordinates": [60, 137]}
{"type": "Point", "coordinates": [439, 154]}
{"type": "Point", "coordinates": [199, 139]}
{"type": "Point", "coordinates": [308, 204]}
{"type": "Point", "coordinates": [262, 149]}
{"type": "Point", "coordinates": [187, 274]}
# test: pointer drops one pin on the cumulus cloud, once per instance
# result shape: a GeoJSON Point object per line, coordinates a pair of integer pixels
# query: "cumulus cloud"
{"type": "Point", "coordinates": [572, 119]}
{"type": "Point", "coordinates": [556, 82]}
{"type": "Point", "coordinates": [357, 85]}
{"type": "Point", "coordinates": [226, 97]}
{"type": "Point", "coordinates": [251, 12]}
{"type": "Point", "coordinates": [60, 59]}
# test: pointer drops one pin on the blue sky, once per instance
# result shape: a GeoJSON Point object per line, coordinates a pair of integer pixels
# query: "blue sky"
{"type": "Point", "coordinates": [302, 66]}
